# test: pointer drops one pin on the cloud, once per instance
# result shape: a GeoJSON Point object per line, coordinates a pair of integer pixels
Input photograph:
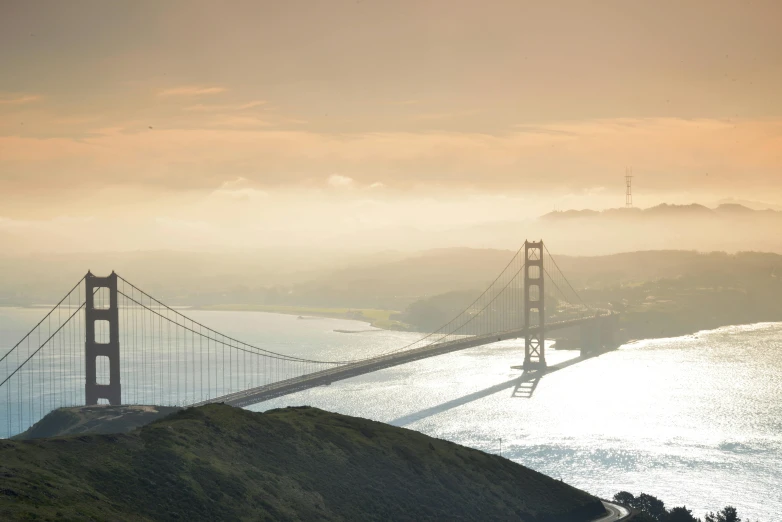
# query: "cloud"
{"type": "Point", "coordinates": [742, 158]}
{"type": "Point", "coordinates": [61, 222]}
{"type": "Point", "coordinates": [339, 181]}
{"type": "Point", "coordinates": [108, 131]}
{"type": "Point", "coordinates": [191, 91]}
{"type": "Point", "coordinates": [183, 226]}
{"type": "Point", "coordinates": [239, 189]}
{"type": "Point", "coordinates": [241, 121]}
{"type": "Point", "coordinates": [531, 129]}
{"type": "Point", "coordinates": [234, 184]}
{"type": "Point", "coordinates": [228, 107]}
{"type": "Point", "coordinates": [19, 100]}
{"type": "Point", "coordinates": [432, 116]}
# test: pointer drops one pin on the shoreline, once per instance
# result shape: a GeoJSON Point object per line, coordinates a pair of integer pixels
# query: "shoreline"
{"type": "Point", "coordinates": [374, 317]}
{"type": "Point", "coordinates": [631, 331]}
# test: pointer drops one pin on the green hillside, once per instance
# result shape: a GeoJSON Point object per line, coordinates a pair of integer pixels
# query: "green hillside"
{"type": "Point", "coordinates": [222, 463]}
{"type": "Point", "coordinates": [94, 419]}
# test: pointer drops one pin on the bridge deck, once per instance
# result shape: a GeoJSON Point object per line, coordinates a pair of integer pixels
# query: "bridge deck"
{"type": "Point", "coordinates": [325, 377]}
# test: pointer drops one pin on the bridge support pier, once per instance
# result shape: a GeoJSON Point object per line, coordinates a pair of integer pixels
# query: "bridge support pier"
{"type": "Point", "coordinates": [93, 391]}
{"type": "Point", "coordinates": [534, 307]}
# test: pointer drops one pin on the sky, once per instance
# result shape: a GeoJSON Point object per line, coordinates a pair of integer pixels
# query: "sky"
{"type": "Point", "coordinates": [232, 124]}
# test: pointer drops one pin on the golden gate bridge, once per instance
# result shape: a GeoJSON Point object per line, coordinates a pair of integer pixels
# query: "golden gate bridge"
{"type": "Point", "coordinates": [107, 341]}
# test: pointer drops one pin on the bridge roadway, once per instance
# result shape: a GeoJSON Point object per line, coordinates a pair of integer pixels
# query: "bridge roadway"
{"type": "Point", "coordinates": [346, 371]}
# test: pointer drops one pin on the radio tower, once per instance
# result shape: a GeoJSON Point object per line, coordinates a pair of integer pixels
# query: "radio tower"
{"type": "Point", "coordinates": [629, 191]}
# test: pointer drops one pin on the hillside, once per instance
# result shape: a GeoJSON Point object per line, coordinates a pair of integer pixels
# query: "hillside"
{"type": "Point", "coordinates": [660, 293]}
{"type": "Point", "coordinates": [222, 463]}
{"type": "Point", "coordinates": [94, 419]}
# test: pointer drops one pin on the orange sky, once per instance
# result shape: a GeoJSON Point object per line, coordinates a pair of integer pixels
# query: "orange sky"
{"type": "Point", "coordinates": [297, 116]}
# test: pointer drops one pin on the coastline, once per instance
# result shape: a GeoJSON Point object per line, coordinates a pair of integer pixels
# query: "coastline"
{"type": "Point", "coordinates": [634, 325]}
{"type": "Point", "coordinates": [632, 329]}
{"type": "Point", "coordinates": [376, 318]}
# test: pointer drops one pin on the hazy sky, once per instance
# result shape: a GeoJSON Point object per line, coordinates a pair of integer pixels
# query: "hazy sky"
{"type": "Point", "coordinates": [258, 123]}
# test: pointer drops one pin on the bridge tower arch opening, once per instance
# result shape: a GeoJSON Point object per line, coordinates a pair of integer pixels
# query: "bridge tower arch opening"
{"type": "Point", "coordinates": [534, 307]}
{"type": "Point", "coordinates": [101, 345]}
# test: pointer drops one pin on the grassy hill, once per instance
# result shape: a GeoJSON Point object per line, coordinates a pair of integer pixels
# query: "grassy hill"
{"type": "Point", "coordinates": [94, 419]}
{"type": "Point", "coordinates": [222, 463]}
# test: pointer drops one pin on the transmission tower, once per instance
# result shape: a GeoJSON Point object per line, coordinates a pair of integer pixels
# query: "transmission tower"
{"type": "Point", "coordinates": [629, 191]}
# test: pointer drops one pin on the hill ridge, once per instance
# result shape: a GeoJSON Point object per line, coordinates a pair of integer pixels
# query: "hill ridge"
{"type": "Point", "coordinates": [216, 462]}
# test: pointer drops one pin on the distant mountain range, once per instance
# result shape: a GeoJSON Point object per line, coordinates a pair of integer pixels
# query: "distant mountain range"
{"type": "Point", "coordinates": [664, 210]}
{"type": "Point", "coordinates": [730, 227]}
{"type": "Point", "coordinates": [374, 270]}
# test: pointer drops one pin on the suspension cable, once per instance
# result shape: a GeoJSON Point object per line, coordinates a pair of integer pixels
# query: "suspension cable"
{"type": "Point", "coordinates": [292, 358]}
{"type": "Point", "coordinates": [44, 319]}
{"type": "Point", "coordinates": [267, 353]}
{"type": "Point", "coordinates": [42, 345]}
{"type": "Point", "coordinates": [463, 325]}
{"type": "Point", "coordinates": [563, 275]}
{"type": "Point", "coordinates": [439, 330]}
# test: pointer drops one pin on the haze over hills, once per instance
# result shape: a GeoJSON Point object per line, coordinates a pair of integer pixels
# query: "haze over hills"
{"type": "Point", "coordinates": [664, 210]}
{"type": "Point", "coordinates": [729, 227]}
{"type": "Point", "coordinates": [503, 223]}
{"type": "Point", "coordinates": [350, 274]}
{"type": "Point", "coordinates": [755, 205]}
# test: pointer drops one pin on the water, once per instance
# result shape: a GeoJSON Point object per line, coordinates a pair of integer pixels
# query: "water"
{"type": "Point", "coordinates": [693, 420]}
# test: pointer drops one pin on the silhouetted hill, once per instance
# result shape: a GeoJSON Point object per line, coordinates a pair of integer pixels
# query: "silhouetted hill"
{"type": "Point", "coordinates": [663, 210]}
{"type": "Point", "coordinates": [222, 463]}
{"type": "Point", "coordinates": [570, 214]}
{"type": "Point", "coordinates": [735, 208]}
{"type": "Point", "coordinates": [396, 283]}
{"type": "Point", "coordinates": [660, 293]}
{"type": "Point", "coordinates": [730, 227]}
{"type": "Point", "coordinates": [94, 419]}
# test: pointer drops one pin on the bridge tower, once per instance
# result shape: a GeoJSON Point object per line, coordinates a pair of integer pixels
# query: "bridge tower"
{"type": "Point", "coordinates": [112, 390]}
{"type": "Point", "coordinates": [534, 307]}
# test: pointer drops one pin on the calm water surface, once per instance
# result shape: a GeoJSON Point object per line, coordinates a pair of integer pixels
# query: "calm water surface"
{"type": "Point", "coordinates": [693, 420]}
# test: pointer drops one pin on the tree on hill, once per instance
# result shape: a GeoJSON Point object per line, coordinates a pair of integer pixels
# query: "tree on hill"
{"type": "Point", "coordinates": [649, 505]}
{"type": "Point", "coordinates": [681, 514]}
{"type": "Point", "coordinates": [728, 514]}
{"type": "Point", "coordinates": [652, 509]}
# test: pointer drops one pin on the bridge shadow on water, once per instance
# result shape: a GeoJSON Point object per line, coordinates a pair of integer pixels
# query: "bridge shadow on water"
{"type": "Point", "coordinates": [526, 384]}
{"type": "Point", "coordinates": [523, 387]}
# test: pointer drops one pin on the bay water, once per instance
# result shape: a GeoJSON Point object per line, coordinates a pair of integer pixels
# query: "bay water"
{"type": "Point", "coordinates": [693, 420]}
